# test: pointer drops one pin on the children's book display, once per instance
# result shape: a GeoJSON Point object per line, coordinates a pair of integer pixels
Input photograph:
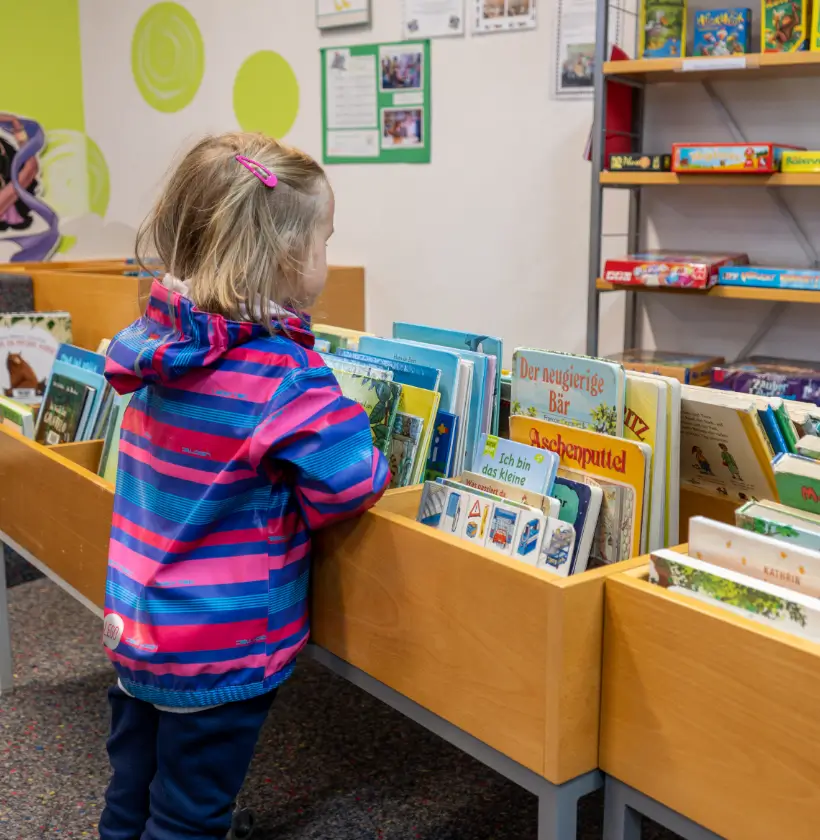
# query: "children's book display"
{"type": "Point", "coordinates": [665, 268]}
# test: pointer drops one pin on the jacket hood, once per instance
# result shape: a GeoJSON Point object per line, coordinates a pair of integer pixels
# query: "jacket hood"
{"type": "Point", "coordinates": [173, 337]}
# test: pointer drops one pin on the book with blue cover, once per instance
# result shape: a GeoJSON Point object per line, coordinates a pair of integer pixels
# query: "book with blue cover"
{"type": "Point", "coordinates": [443, 446]}
{"type": "Point", "coordinates": [405, 373]}
{"type": "Point", "coordinates": [772, 429]}
{"type": "Point", "coordinates": [475, 342]}
{"type": "Point", "coordinates": [581, 507]}
{"type": "Point", "coordinates": [86, 368]}
{"type": "Point", "coordinates": [573, 390]}
{"type": "Point", "coordinates": [441, 359]}
{"type": "Point", "coordinates": [516, 463]}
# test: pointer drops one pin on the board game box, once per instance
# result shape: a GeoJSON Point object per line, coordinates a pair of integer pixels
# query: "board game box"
{"type": "Point", "coordinates": [758, 158]}
{"type": "Point", "coordinates": [722, 32]}
{"type": "Point", "coordinates": [661, 268]}
{"type": "Point", "coordinates": [639, 163]}
{"type": "Point", "coordinates": [770, 278]}
{"type": "Point", "coordinates": [800, 161]}
{"type": "Point", "coordinates": [785, 26]}
{"type": "Point", "coordinates": [784, 378]}
{"type": "Point", "coordinates": [663, 28]}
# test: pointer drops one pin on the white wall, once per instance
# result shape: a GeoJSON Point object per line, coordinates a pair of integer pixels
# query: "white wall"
{"type": "Point", "coordinates": [492, 235]}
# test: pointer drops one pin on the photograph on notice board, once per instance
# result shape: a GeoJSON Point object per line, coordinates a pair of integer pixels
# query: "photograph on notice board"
{"type": "Point", "coordinates": [402, 67]}
{"type": "Point", "coordinates": [575, 47]}
{"type": "Point", "coordinates": [504, 15]}
{"type": "Point", "coordinates": [402, 127]}
{"type": "Point", "coordinates": [577, 66]}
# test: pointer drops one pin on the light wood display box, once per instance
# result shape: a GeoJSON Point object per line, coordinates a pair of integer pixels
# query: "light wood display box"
{"type": "Point", "coordinates": [710, 713]}
{"type": "Point", "coordinates": [508, 653]}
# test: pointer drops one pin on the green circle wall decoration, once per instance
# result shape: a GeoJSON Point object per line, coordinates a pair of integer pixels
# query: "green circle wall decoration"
{"type": "Point", "coordinates": [266, 94]}
{"type": "Point", "coordinates": [75, 174]}
{"type": "Point", "coordinates": [167, 57]}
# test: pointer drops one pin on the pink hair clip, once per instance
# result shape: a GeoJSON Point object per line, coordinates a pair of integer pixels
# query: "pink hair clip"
{"type": "Point", "coordinates": [268, 179]}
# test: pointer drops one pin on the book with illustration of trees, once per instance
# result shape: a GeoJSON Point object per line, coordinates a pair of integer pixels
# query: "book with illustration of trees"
{"type": "Point", "coordinates": [379, 398]}
{"type": "Point", "coordinates": [573, 390]}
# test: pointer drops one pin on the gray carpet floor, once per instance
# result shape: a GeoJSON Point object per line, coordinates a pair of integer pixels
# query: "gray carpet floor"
{"type": "Point", "coordinates": [332, 763]}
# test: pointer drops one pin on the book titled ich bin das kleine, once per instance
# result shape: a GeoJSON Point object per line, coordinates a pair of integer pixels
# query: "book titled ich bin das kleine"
{"type": "Point", "coordinates": [573, 390]}
{"type": "Point", "coordinates": [516, 463]}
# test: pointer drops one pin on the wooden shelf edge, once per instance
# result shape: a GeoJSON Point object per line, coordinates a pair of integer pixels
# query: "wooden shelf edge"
{"type": "Point", "coordinates": [728, 292]}
{"type": "Point", "coordinates": [672, 179]}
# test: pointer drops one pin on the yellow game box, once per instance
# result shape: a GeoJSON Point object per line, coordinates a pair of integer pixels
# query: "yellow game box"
{"type": "Point", "coordinates": [800, 162]}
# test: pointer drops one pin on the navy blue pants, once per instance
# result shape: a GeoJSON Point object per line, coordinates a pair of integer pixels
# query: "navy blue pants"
{"type": "Point", "coordinates": [176, 776]}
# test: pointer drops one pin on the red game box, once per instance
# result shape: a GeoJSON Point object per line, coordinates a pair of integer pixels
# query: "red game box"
{"type": "Point", "coordinates": [743, 158]}
{"type": "Point", "coordinates": [661, 268]}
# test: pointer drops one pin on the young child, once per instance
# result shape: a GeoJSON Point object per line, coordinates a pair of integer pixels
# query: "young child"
{"type": "Point", "coordinates": [236, 443]}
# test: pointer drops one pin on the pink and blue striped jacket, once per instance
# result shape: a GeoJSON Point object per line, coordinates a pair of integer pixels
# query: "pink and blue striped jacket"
{"type": "Point", "coordinates": [234, 446]}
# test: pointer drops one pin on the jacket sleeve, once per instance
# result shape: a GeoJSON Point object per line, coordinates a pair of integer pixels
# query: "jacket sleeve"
{"type": "Point", "coordinates": [326, 439]}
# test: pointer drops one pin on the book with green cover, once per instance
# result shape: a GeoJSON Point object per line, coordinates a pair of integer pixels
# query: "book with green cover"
{"type": "Point", "coordinates": [407, 434]}
{"type": "Point", "coordinates": [379, 398]}
{"type": "Point", "coordinates": [111, 447]}
{"type": "Point", "coordinates": [798, 481]}
{"type": "Point", "coordinates": [62, 410]}
{"type": "Point", "coordinates": [784, 523]}
{"type": "Point", "coordinates": [786, 424]}
{"type": "Point", "coordinates": [17, 416]}
{"type": "Point", "coordinates": [809, 447]}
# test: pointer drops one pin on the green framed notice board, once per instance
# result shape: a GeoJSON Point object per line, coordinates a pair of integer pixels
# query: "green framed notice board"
{"type": "Point", "coordinates": [376, 103]}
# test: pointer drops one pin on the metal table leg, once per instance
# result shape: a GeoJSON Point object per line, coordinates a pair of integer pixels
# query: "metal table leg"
{"type": "Point", "coordinates": [624, 806]}
{"type": "Point", "coordinates": [6, 670]}
{"type": "Point", "coordinates": [558, 806]}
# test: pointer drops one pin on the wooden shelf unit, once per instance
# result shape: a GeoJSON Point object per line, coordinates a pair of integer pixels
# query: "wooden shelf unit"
{"type": "Point", "coordinates": [730, 292]}
{"type": "Point", "coordinates": [758, 66]}
{"type": "Point", "coordinates": [673, 179]}
{"type": "Point", "coordinates": [710, 713]}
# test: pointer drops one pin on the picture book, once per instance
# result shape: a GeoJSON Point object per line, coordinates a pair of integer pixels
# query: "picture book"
{"type": "Point", "coordinates": [477, 522]}
{"type": "Point", "coordinates": [761, 557]}
{"type": "Point", "coordinates": [548, 505]}
{"type": "Point", "coordinates": [504, 528]}
{"type": "Point", "coordinates": [16, 293]}
{"type": "Point", "coordinates": [464, 391]}
{"type": "Point", "coordinates": [762, 602]}
{"type": "Point", "coordinates": [419, 402]}
{"type": "Point", "coordinates": [557, 548]}
{"type": "Point", "coordinates": [28, 347]}
{"type": "Point", "coordinates": [437, 358]}
{"type": "Point", "coordinates": [798, 482]}
{"type": "Point", "coordinates": [645, 422]}
{"type": "Point", "coordinates": [518, 464]}
{"type": "Point", "coordinates": [580, 507]}
{"type": "Point", "coordinates": [770, 377]}
{"type": "Point", "coordinates": [322, 345]}
{"type": "Point", "coordinates": [431, 507]}
{"type": "Point", "coordinates": [441, 461]}
{"type": "Point", "coordinates": [786, 426]}
{"type": "Point", "coordinates": [62, 410]}
{"type": "Point", "coordinates": [97, 432]}
{"type": "Point", "coordinates": [619, 466]}
{"type": "Point", "coordinates": [573, 390]}
{"type": "Point", "coordinates": [470, 393]}
{"type": "Point", "coordinates": [111, 447]}
{"type": "Point", "coordinates": [662, 29]}
{"type": "Point", "coordinates": [404, 444]}
{"type": "Point", "coordinates": [722, 32]}
{"type": "Point", "coordinates": [18, 416]}
{"type": "Point", "coordinates": [88, 368]}
{"type": "Point", "coordinates": [374, 371]}
{"type": "Point", "coordinates": [454, 514]}
{"type": "Point", "coordinates": [771, 519]}
{"type": "Point", "coordinates": [379, 399]}
{"type": "Point", "coordinates": [809, 447]}
{"type": "Point", "coordinates": [475, 342]}
{"type": "Point", "coordinates": [687, 369]}
{"type": "Point", "coordinates": [338, 337]}
{"type": "Point", "coordinates": [773, 432]}
{"type": "Point", "coordinates": [724, 449]}
{"type": "Point", "coordinates": [405, 373]}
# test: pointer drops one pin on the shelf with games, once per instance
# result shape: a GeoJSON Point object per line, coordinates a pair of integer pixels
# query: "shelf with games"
{"type": "Point", "coordinates": [672, 179]}
{"type": "Point", "coordinates": [727, 292]}
{"type": "Point", "coordinates": [709, 713]}
{"type": "Point", "coordinates": [750, 67]}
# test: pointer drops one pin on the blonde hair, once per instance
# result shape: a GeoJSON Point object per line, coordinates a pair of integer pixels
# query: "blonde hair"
{"type": "Point", "coordinates": [239, 245]}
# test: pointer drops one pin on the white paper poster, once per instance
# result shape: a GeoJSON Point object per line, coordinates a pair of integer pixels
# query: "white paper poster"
{"type": "Point", "coordinates": [503, 15]}
{"type": "Point", "coordinates": [332, 14]}
{"type": "Point", "coordinates": [575, 48]}
{"type": "Point", "coordinates": [433, 18]}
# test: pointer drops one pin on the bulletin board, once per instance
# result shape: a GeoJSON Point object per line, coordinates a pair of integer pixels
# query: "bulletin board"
{"type": "Point", "coordinates": [376, 103]}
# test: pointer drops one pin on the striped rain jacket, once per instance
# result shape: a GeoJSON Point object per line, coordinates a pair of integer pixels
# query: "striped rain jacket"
{"type": "Point", "coordinates": [235, 445]}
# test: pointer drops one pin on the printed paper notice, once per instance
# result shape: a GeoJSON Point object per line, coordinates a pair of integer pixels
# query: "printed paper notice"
{"type": "Point", "coordinates": [352, 100]}
{"type": "Point", "coordinates": [504, 15]}
{"type": "Point", "coordinates": [332, 14]}
{"type": "Point", "coordinates": [433, 18]}
{"type": "Point", "coordinates": [575, 47]}
{"type": "Point", "coordinates": [353, 143]}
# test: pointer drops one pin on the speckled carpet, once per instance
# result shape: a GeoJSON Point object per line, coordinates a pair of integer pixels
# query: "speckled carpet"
{"type": "Point", "coordinates": [332, 764]}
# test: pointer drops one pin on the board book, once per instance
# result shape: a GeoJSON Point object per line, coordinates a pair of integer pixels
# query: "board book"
{"type": "Point", "coordinates": [574, 390]}
{"type": "Point", "coordinates": [379, 398]}
{"type": "Point", "coordinates": [18, 416]}
{"type": "Point", "coordinates": [581, 508]}
{"type": "Point", "coordinates": [421, 403]}
{"type": "Point", "coordinates": [404, 446]}
{"type": "Point", "coordinates": [405, 373]}
{"type": "Point", "coordinates": [771, 519]}
{"type": "Point", "coordinates": [620, 466]}
{"type": "Point", "coordinates": [762, 602]}
{"type": "Point", "coordinates": [441, 462]}
{"type": "Point", "coordinates": [548, 505]}
{"type": "Point", "coordinates": [517, 464]}
{"type": "Point", "coordinates": [798, 482]}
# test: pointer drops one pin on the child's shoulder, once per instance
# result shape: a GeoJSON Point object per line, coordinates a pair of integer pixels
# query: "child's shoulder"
{"type": "Point", "coordinates": [278, 351]}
